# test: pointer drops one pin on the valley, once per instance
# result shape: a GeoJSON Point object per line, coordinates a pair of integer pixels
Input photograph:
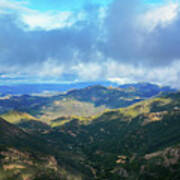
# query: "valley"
{"type": "Point", "coordinates": [98, 133]}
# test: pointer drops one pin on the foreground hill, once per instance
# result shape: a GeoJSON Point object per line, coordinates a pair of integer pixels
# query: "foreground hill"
{"type": "Point", "coordinates": [28, 156]}
{"type": "Point", "coordinates": [21, 157]}
{"type": "Point", "coordinates": [126, 143]}
{"type": "Point", "coordinates": [141, 141]}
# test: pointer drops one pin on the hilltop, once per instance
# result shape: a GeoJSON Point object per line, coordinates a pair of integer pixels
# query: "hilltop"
{"type": "Point", "coordinates": [140, 141]}
{"type": "Point", "coordinates": [16, 117]}
{"type": "Point", "coordinates": [81, 102]}
{"type": "Point", "coordinates": [131, 134]}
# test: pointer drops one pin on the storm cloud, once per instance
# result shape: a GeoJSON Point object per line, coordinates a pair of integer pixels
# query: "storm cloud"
{"type": "Point", "coordinates": [98, 42]}
{"type": "Point", "coordinates": [135, 38]}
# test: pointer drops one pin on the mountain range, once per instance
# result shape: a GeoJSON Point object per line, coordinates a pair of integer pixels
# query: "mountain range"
{"type": "Point", "coordinates": [135, 134]}
{"type": "Point", "coordinates": [82, 102]}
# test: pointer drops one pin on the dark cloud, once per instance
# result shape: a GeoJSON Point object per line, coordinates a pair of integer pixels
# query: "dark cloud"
{"type": "Point", "coordinates": [162, 45]}
{"type": "Point", "coordinates": [128, 42]}
{"type": "Point", "coordinates": [20, 47]}
{"type": "Point", "coordinates": [122, 34]}
{"type": "Point", "coordinates": [123, 38]}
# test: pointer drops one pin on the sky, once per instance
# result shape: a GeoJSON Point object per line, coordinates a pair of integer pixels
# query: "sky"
{"type": "Point", "coordinates": [123, 41]}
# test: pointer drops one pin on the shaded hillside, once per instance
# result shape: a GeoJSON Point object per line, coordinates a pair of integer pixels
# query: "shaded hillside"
{"type": "Point", "coordinates": [28, 156]}
{"type": "Point", "coordinates": [133, 132]}
{"type": "Point", "coordinates": [137, 142]}
{"type": "Point", "coordinates": [11, 135]}
{"type": "Point", "coordinates": [109, 96]}
{"type": "Point", "coordinates": [147, 89]}
{"type": "Point", "coordinates": [24, 103]}
{"type": "Point", "coordinates": [83, 102]}
{"type": "Point", "coordinates": [25, 121]}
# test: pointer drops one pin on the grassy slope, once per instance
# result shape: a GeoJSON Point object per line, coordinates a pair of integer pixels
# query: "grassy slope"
{"type": "Point", "coordinates": [15, 116]}
{"type": "Point", "coordinates": [69, 107]}
{"type": "Point", "coordinates": [144, 128]}
{"type": "Point", "coordinates": [140, 129]}
{"type": "Point", "coordinates": [107, 115]}
{"type": "Point", "coordinates": [82, 102]}
{"type": "Point", "coordinates": [25, 156]}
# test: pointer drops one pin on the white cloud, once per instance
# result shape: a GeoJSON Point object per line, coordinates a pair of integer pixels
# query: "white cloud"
{"type": "Point", "coordinates": [48, 21]}
{"type": "Point", "coordinates": [9, 6]}
{"type": "Point", "coordinates": [125, 73]}
{"type": "Point", "coordinates": [163, 15]}
{"type": "Point", "coordinates": [49, 68]}
{"type": "Point", "coordinates": [120, 80]}
{"type": "Point", "coordinates": [115, 69]}
{"type": "Point", "coordinates": [160, 75]}
{"type": "Point", "coordinates": [108, 70]}
{"type": "Point", "coordinates": [88, 71]}
{"type": "Point", "coordinates": [35, 19]}
{"type": "Point", "coordinates": [128, 54]}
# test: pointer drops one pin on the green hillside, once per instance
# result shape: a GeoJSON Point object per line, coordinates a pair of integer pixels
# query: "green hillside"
{"type": "Point", "coordinates": [141, 141]}
{"type": "Point", "coordinates": [81, 102]}
{"type": "Point", "coordinates": [68, 107]}
{"type": "Point", "coordinates": [133, 132]}
{"type": "Point", "coordinates": [29, 156]}
{"type": "Point", "coordinates": [16, 117]}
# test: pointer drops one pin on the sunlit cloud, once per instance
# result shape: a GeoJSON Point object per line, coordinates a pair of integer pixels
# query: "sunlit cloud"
{"type": "Point", "coordinates": [160, 16]}
{"type": "Point", "coordinates": [122, 41]}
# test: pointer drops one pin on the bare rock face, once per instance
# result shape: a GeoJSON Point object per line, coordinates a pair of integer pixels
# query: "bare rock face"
{"type": "Point", "coordinates": [153, 117]}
